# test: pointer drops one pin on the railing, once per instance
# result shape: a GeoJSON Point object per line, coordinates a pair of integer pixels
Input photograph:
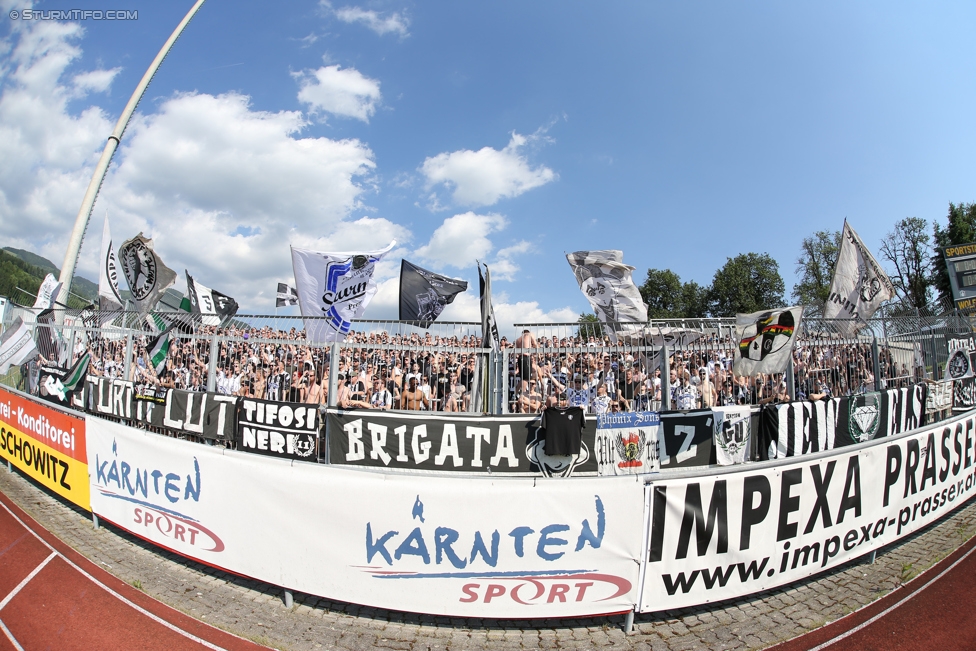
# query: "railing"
{"type": "Point", "coordinates": [660, 365]}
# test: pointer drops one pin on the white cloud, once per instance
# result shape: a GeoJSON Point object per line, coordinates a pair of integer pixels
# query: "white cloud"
{"type": "Point", "coordinates": [222, 188]}
{"type": "Point", "coordinates": [394, 23]}
{"type": "Point", "coordinates": [94, 81]}
{"type": "Point", "coordinates": [461, 240]}
{"type": "Point", "coordinates": [346, 93]}
{"type": "Point", "coordinates": [483, 177]}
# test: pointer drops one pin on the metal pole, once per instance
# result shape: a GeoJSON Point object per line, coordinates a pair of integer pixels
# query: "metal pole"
{"type": "Point", "coordinates": [791, 379]}
{"type": "Point", "coordinates": [333, 373]}
{"type": "Point", "coordinates": [127, 366]}
{"type": "Point", "coordinates": [877, 366]}
{"type": "Point", "coordinates": [629, 623]}
{"type": "Point", "coordinates": [84, 212]}
{"type": "Point", "coordinates": [665, 380]}
{"type": "Point", "coordinates": [502, 380]}
{"type": "Point", "coordinates": [212, 367]}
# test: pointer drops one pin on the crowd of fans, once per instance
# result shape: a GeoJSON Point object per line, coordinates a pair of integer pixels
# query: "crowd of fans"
{"type": "Point", "coordinates": [428, 372]}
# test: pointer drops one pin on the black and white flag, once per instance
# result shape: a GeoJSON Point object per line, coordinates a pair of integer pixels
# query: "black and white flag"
{"type": "Point", "coordinates": [47, 293]}
{"type": "Point", "coordinates": [145, 273]}
{"type": "Point", "coordinates": [608, 285]}
{"type": "Point", "coordinates": [334, 289]}
{"type": "Point", "coordinates": [859, 286]}
{"type": "Point", "coordinates": [423, 294]}
{"type": "Point", "coordinates": [764, 340]}
{"type": "Point", "coordinates": [489, 326]}
{"type": "Point", "coordinates": [287, 295]}
{"type": "Point", "coordinates": [109, 299]}
{"type": "Point", "coordinates": [214, 306]}
{"type": "Point", "coordinates": [16, 345]}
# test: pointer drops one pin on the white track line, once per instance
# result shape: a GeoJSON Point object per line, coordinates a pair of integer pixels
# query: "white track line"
{"type": "Point", "coordinates": [891, 607]}
{"type": "Point", "coordinates": [20, 586]}
{"type": "Point", "coordinates": [112, 592]}
{"type": "Point", "coordinates": [10, 636]}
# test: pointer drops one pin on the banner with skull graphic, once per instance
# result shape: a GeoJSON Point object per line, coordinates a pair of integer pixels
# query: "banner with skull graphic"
{"type": "Point", "coordinates": [424, 294]}
{"type": "Point", "coordinates": [608, 285]}
{"type": "Point", "coordinates": [144, 272]}
{"type": "Point", "coordinates": [859, 286]}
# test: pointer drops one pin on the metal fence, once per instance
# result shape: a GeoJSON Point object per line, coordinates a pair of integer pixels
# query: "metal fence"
{"type": "Point", "coordinates": [659, 365]}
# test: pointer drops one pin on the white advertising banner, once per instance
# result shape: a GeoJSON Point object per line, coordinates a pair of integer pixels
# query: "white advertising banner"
{"type": "Point", "coordinates": [455, 546]}
{"type": "Point", "coordinates": [728, 535]}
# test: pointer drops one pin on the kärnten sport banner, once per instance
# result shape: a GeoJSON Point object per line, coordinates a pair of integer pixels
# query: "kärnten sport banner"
{"type": "Point", "coordinates": [736, 533]}
{"type": "Point", "coordinates": [465, 546]}
{"type": "Point", "coordinates": [48, 445]}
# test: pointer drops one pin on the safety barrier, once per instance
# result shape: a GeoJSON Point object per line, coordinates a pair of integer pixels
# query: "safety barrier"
{"type": "Point", "coordinates": [492, 545]}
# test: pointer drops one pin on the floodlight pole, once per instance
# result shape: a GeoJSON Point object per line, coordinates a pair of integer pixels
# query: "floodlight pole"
{"type": "Point", "coordinates": [84, 213]}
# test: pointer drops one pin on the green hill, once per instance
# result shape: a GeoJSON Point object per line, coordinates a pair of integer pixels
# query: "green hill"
{"type": "Point", "coordinates": [22, 272]}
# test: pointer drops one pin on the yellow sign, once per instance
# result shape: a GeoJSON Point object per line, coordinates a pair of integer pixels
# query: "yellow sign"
{"type": "Point", "coordinates": [47, 445]}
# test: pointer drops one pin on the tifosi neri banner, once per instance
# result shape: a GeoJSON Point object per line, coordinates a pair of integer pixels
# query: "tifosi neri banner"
{"type": "Point", "coordinates": [278, 429]}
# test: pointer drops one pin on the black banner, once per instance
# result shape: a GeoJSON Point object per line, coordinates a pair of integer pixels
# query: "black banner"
{"type": "Point", "coordinates": [687, 439]}
{"type": "Point", "coordinates": [110, 397]}
{"type": "Point", "coordinates": [964, 394]}
{"type": "Point", "coordinates": [459, 443]}
{"type": "Point", "coordinates": [799, 428]}
{"type": "Point", "coordinates": [278, 429]}
{"type": "Point", "coordinates": [423, 294]}
{"type": "Point", "coordinates": [210, 415]}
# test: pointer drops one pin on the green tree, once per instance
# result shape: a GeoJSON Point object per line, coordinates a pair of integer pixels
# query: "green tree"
{"type": "Point", "coordinates": [668, 298]}
{"type": "Point", "coordinates": [815, 269]}
{"type": "Point", "coordinates": [749, 282]}
{"type": "Point", "coordinates": [908, 248]}
{"type": "Point", "coordinates": [590, 326]}
{"type": "Point", "coordinates": [961, 229]}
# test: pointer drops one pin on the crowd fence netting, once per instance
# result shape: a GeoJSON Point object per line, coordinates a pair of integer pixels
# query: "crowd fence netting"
{"type": "Point", "coordinates": [664, 365]}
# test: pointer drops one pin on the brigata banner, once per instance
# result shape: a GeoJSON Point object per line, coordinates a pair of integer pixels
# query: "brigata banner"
{"type": "Point", "coordinates": [206, 414]}
{"type": "Point", "coordinates": [458, 443]}
{"type": "Point", "coordinates": [46, 444]}
{"type": "Point", "coordinates": [459, 546]}
{"type": "Point", "coordinates": [278, 429]}
{"type": "Point", "coordinates": [727, 535]}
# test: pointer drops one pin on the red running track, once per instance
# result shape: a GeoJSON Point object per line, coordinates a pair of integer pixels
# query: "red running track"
{"type": "Point", "coordinates": [55, 598]}
{"type": "Point", "coordinates": [934, 612]}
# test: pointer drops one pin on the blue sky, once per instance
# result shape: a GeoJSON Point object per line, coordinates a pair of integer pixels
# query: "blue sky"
{"type": "Point", "coordinates": [680, 133]}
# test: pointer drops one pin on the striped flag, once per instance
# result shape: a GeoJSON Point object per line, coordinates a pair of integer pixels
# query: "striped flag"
{"type": "Point", "coordinates": [287, 295]}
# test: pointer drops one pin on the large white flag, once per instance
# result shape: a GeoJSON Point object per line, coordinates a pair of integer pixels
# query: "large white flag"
{"type": "Point", "coordinates": [47, 293]}
{"type": "Point", "coordinates": [335, 287]}
{"type": "Point", "coordinates": [109, 299]}
{"type": "Point", "coordinates": [608, 285]}
{"type": "Point", "coordinates": [764, 340]}
{"type": "Point", "coordinates": [859, 286]}
{"type": "Point", "coordinates": [16, 345]}
{"type": "Point", "coordinates": [145, 273]}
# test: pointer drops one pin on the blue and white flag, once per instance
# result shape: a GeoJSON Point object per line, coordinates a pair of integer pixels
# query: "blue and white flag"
{"type": "Point", "coordinates": [333, 289]}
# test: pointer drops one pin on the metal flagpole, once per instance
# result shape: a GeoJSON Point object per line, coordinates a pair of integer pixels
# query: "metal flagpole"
{"type": "Point", "coordinates": [84, 213]}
